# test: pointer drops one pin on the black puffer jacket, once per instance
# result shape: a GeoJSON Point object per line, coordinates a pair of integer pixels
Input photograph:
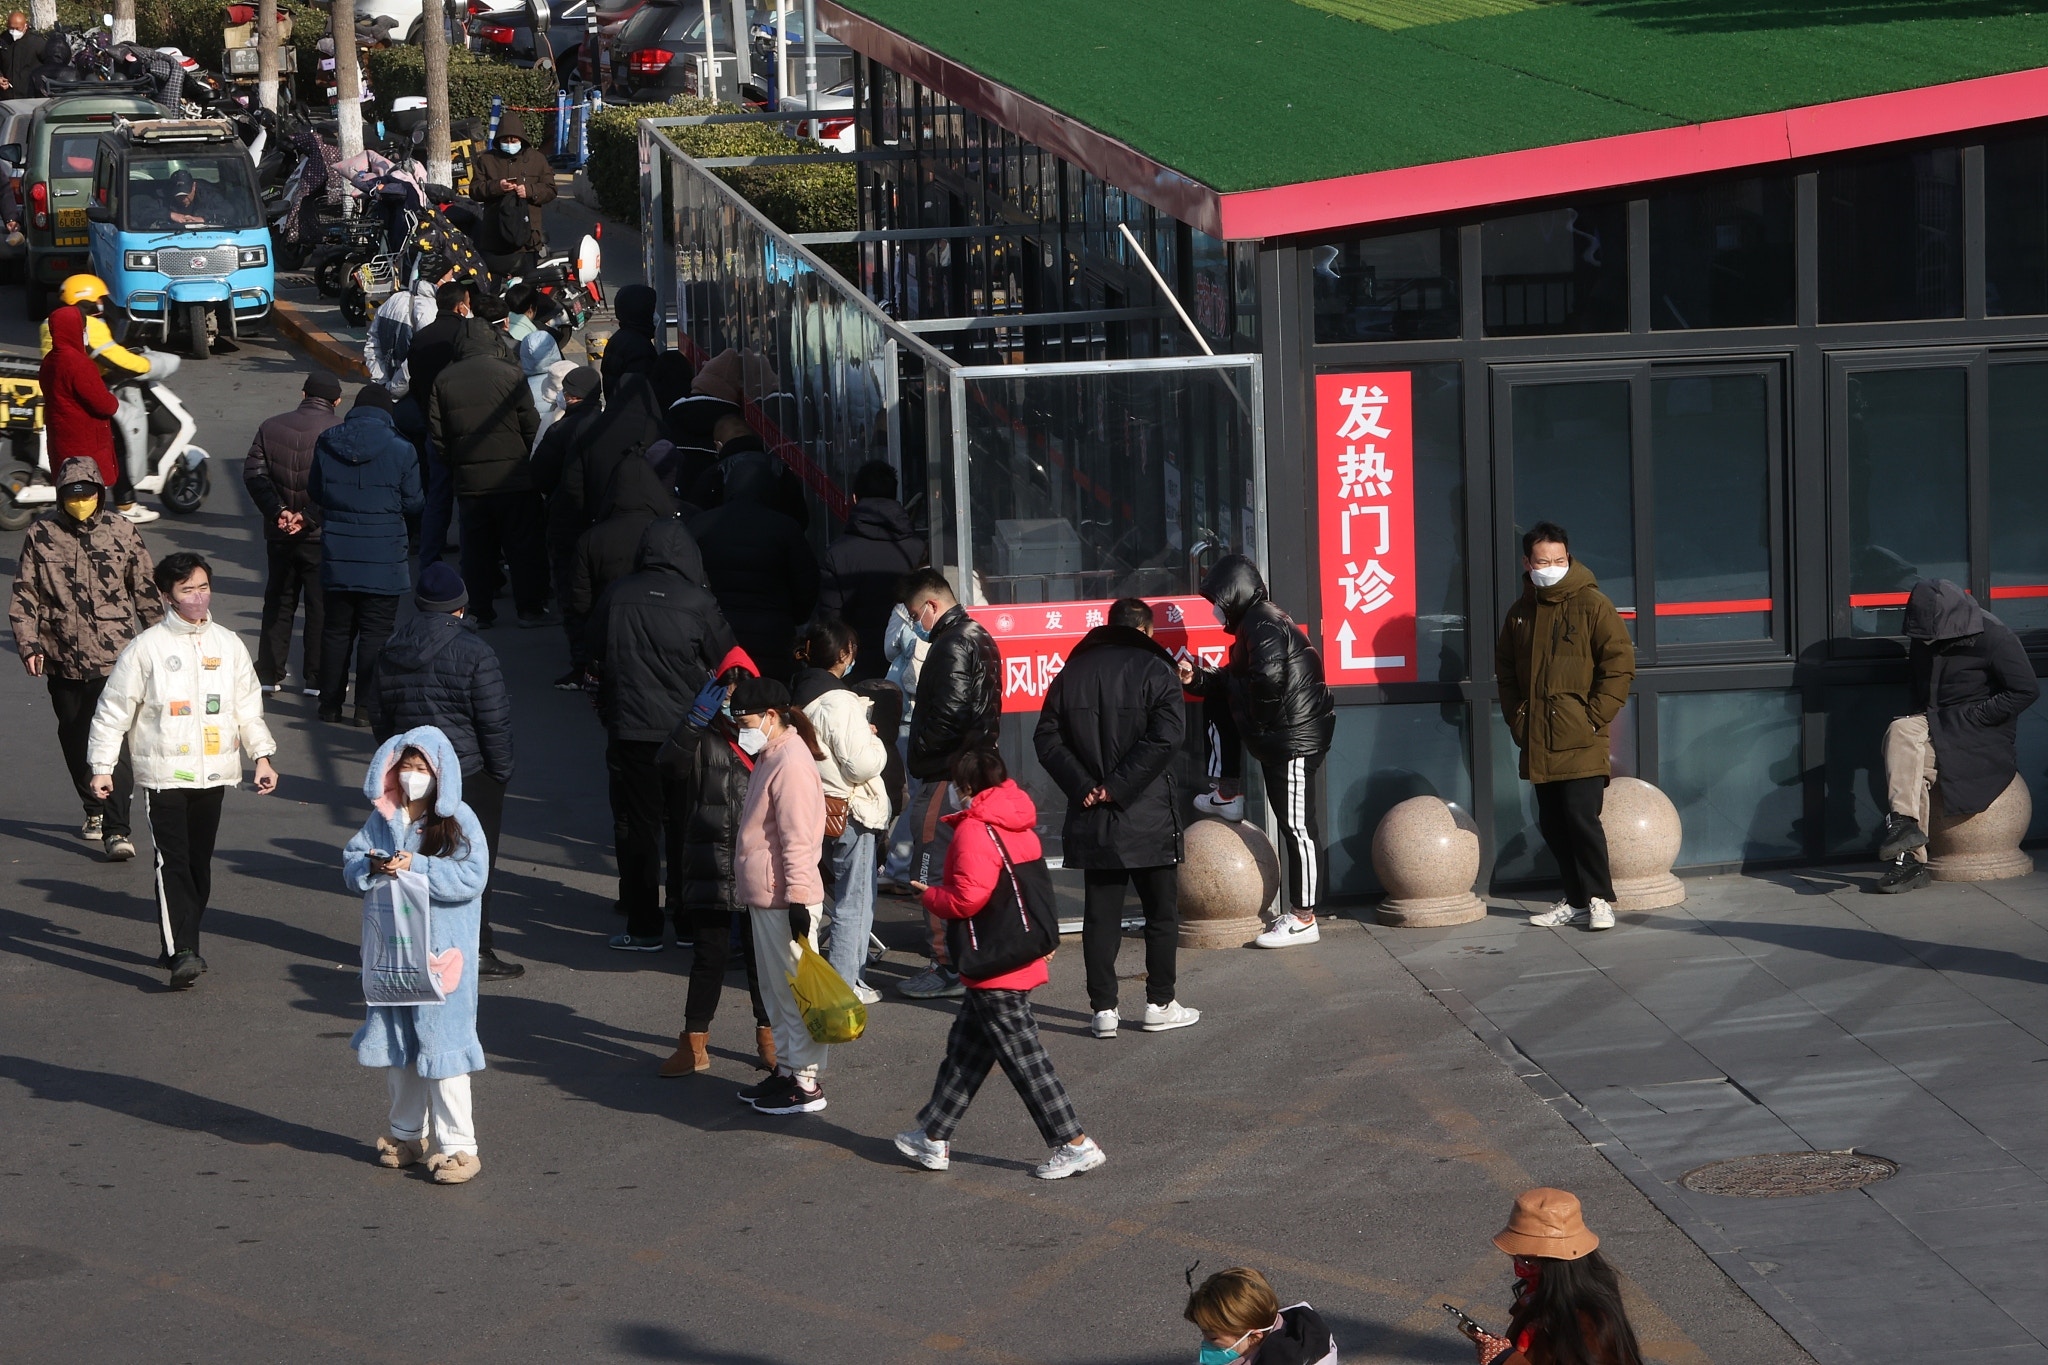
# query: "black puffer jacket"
{"type": "Point", "coordinates": [631, 423]}
{"type": "Point", "coordinates": [1972, 677]}
{"type": "Point", "coordinates": [1274, 677]}
{"type": "Point", "coordinates": [761, 568]}
{"type": "Point", "coordinates": [279, 461]}
{"type": "Point", "coordinates": [436, 670]}
{"type": "Point", "coordinates": [1115, 718]}
{"type": "Point", "coordinates": [558, 472]}
{"type": "Point", "coordinates": [630, 349]}
{"type": "Point", "coordinates": [482, 416]}
{"type": "Point", "coordinates": [959, 695]}
{"type": "Point", "coordinates": [861, 571]}
{"type": "Point", "coordinates": [713, 775]}
{"type": "Point", "coordinates": [610, 550]}
{"type": "Point", "coordinates": [655, 635]}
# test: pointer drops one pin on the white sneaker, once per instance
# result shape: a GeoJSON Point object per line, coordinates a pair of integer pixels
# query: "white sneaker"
{"type": "Point", "coordinates": [137, 513]}
{"type": "Point", "coordinates": [1067, 1159]}
{"type": "Point", "coordinates": [1105, 1024]}
{"type": "Point", "coordinates": [273, 687]}
{"type": "Point", "coordinates": [1171, 1015]}
{"type": "Point", "coordinates": [1210, 803]}
{"type": "Point", "coordinates": [1601, 914]}
{"type": "Point", "coordinates": [933, 1156]}
{"type": "Point", "coordinates": [1289, 931]}
{"type": "Point", "coordinates": [1559, 915]}
{"type": "Point", "coordinates": [865, 993]}
{"type": "Point", "coordinates": [309, 691]}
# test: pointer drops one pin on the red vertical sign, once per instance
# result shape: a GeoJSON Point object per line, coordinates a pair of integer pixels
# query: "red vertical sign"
{"type": "Point", "coordinates": [1365, 519]}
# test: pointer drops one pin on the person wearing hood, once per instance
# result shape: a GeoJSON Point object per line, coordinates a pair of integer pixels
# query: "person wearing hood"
{"type": "Point", "coordinates": [1242, 1323]}
{"type": "Point", "coordinates": [1971, 681]}
{"type": "Point", "coordinates": [484, 426]}
{"type": "Point", "coordinates": [738, 445]}
{"type": "Point", "coordinates": [995, 833]}
{"type": "Point", "coordinates": [512, 182]}
{"type": "Point", "coordinates": [856, 799]}
{"type": "Point", "coordinates": [761, 567]}
{"type": "Point", "coordinates": [864, 567]}
{"type": "Point", "coordinates": [610, 549]}
{"type": "Point", "coordinates": [631, 348]}
{"type": "Point", "coordinates": [184, 697]}
{"type": "Point", "coordinates": [78, 407]}
{"type": "Point", "coordinates": [387, 344]}
{"type": "Point", "coordinates": [1269, 696]}
{"type": "Point", "coordinates": [1112, 726]}
{"type": "Point", "coordinates": [436, 670]}
{"type": "Point", "coordinates": [655, 636]}
{"type": "Point", "coordinates": [433, 350]}
{"type": "Point", "coordinates": [1564, 665]}
{"type": "Point", "coordinates": [630, 427]}
{"type": "Point", "coordinates": [275, 471]}
{"type": "Point", "coordinates": [420, 824]}
{"type": "Point", "coordinates": [558, 477]}
{"type": "Point", "coordinates": [83, 588]}
{"type": "Point", "coordinates": [365, 480]}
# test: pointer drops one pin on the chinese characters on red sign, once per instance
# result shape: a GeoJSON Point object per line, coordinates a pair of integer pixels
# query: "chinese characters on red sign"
{"type": "Point", "coordinates": [1035, 639]}
{"type": "Point", "coordinates": [1365, 518]}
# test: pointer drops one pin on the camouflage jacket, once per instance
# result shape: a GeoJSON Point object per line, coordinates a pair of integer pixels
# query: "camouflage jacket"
{"type": "Point", "coordinates": [82, 592]}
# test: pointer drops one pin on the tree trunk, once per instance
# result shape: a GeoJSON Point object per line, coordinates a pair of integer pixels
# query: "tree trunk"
{"type": "Point", "coordinates": [266, 54]}
{"type": "Point", "coordinates": [348, 77]}
{"type": "Point", "coordinates": [42, 15]}
{"type": "Point", "coordinates": [434, 50]}
{"type": "Point", "coordinates": [124, 21]}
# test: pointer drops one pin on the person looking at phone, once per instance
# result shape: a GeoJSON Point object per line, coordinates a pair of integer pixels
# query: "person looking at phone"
{"type": "Point", "coordinates": [513, 180]}
{"type": "Point", "coordinates": [1241, 1321]}
{"type": "Point", "coordinates": [1567, 1308]}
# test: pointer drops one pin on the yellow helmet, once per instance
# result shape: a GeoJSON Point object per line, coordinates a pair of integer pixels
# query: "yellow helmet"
{"type": "Point", "coordinates": [82, 289]}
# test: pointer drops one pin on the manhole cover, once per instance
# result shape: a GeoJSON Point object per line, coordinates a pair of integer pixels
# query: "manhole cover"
{"type": "Point", "coordinates": [1782, 1175]}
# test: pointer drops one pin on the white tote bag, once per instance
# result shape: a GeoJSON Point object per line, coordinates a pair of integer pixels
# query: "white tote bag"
{"type": "Point", "coordinates": [397, 932]}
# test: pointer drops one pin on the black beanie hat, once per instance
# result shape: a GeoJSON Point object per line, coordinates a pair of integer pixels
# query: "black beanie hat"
{"type": "Point", "coordinates": [440, 589]}
{"type": "Point", "coordinates": [323, 384]}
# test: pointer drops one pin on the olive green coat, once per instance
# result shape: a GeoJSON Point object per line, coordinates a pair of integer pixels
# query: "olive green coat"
{"type": "Point", "coordinates": [1564, 665]}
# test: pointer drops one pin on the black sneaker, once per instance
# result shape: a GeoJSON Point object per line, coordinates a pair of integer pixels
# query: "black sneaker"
{"type": "Point", "coordinates": [775, 1082]}
{"type": "Point", "coordinates": [1901, 835]}
{"type": "Point", "coordinates": [185, 969]}
{"type": "Point", "coordinates": [491, 967]}
{"type": "Point", "coordinates": [1904, 875]}
{"type": "Point", "coordinates": [792, 1098]}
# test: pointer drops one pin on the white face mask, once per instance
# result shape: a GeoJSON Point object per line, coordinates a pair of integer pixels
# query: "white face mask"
{"type": "Point", "coordinates": [511, 148]}
{"type": "Point", "coordinates": [1550, 577]}
{"type": "Point", "coordinates": [1217, 611]}
{"type": "Point", "coordinates": [752, 741]}
{"type": "Point", "coordinates": [415, 785]}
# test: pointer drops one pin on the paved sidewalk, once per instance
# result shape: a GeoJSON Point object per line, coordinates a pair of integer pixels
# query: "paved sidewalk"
{"type": "Point", "coordinates": [1794, 1012]}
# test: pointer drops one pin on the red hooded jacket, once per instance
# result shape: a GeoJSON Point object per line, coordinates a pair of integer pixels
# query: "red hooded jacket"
{"type": "Point", "coordinates": [77, 404]}
{"type": "Point", "coordinates": [973, 867]}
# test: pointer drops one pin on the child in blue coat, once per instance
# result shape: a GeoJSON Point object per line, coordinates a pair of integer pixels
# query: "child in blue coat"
{"type": "Point", "coordinates": [427, 1051]}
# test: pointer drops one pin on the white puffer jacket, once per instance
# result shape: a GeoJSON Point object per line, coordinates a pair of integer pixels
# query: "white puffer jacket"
{"type": "Point", "coordinates": [186, 699]}
{"type": "Point", "coordinates": [854, 756]}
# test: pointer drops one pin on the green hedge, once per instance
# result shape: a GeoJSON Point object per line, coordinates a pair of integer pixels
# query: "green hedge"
{"type": "Point", "coordinates": [472, 80]}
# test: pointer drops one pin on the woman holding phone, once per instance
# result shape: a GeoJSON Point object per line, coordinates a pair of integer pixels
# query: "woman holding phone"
{"type": "Point", "coordinates": [1567, 1308]}
{"type": "Point", "coordinates": [426, 1052]}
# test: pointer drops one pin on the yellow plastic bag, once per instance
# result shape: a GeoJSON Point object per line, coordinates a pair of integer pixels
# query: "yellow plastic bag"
{"type": "Point", "coordinates": [832, 1012]}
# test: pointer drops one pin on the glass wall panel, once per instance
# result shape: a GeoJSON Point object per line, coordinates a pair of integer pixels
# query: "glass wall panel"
{"type": "Point", "coordinates": [1382, 756]}
{"type": "Point", "coordinates": [1730, 762]}
{"type": "Point", "coordinates": [1711, 443]}
{"type": "Point", "coordinates": [1398, 288]}
{"type": "Point", "coordinates": [1558, 271]}
{"type": "Point", "coordinates": [2033, 756]}
{"type": "Point", "coordinates": [1852, 774]}
{"type": "Point", "coordinates": [2016, 225]}
{"type": "Point", "coordinates": [1440, 609]}
{"type": "Point", "coordinates": [1721, 255]}
{"type": "Point", "coordinates": [1891, 237]}
{"type": "Point", "coordinates": [2019, 499]}
{"type": "Point", "coordinates": [1908, 497]}
{"type": "Point", "coordinates": [1571, 466]}
{"type": "Point", "coordinates": [1520, 854]}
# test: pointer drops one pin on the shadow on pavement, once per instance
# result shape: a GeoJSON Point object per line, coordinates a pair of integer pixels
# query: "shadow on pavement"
{"type": "Point", "coordinates": [1887, 950]}
{"type": "Point", "coordinates": [170, 1107]}
{"type": "Point", "coordinates": [60, 946]}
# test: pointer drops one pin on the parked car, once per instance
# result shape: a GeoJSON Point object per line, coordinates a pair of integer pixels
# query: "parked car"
{"type": "Point", "coordinates": [612, 16]}
{"type": "Point", "coordinates": [660, 50]}
{"type": "Point", "coordinates": [16, 116]}
{"type": "Point", "coordinates": [509, 36]}
{"type": "Point", "coordinates": [405, 14]}
{"type": "Point", "coordinates": [57, 157]}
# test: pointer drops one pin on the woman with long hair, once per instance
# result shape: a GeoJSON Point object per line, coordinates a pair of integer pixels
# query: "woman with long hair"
{"type": "Point", "coordinates": [856, 797]}
{"type": "Point", "coordinates": [1567, 1308]}
{"type": "Point", "coordinates": [426, 1052]}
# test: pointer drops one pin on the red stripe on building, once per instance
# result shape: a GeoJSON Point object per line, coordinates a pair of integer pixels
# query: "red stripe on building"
{"type": "Point", "coordinates": [1878, 599]}
{"type": "Point", "coordinates": [2000, 592]}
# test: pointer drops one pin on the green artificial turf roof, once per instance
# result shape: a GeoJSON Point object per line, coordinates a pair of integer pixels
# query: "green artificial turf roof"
{"type": "Point", "coordinates": [1248, 94]}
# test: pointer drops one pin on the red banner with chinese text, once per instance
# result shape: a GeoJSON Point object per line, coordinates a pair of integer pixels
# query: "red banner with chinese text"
{"type": "Point", "coordinates": [1365, 520]}
{"type": "Point", "coordinates": [1035, 639]}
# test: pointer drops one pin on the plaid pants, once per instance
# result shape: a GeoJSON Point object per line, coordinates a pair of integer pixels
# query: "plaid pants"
{"type": "Point", "coordinates": [998, 1027]}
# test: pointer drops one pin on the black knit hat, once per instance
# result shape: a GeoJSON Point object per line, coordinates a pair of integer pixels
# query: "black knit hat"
{"type": "Point", "coordinates": [440, 589]}
{"type": "Point", "coordinates": [323, 384]}
{"type": "Point", "coordinates": [756, 696]}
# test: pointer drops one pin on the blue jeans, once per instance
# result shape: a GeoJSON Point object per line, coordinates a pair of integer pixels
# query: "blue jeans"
{"type": "Point", "coordinates": [852, 904]}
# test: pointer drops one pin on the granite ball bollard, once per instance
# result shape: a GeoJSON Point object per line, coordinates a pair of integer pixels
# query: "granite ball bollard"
{"type": "Point", "coordinates": [1984, 847]}
{"type": "Point", "coordinates": [1426, 852]}
{"type": "Point", "coordinates": [1230, 874]}
{"type": "Point", "coordinates": [1643, 834]}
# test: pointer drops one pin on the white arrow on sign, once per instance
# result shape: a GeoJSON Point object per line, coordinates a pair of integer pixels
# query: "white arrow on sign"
{"type": "Point", "coordinates": [1346, 637]}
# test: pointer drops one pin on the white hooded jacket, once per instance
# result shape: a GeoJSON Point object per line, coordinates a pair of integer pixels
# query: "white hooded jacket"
{"type": "Point", "coordinates": [854, 756]}
{"type": "Point", "coordinates": [387, 345]}
{"type": "Point", "coordinates": [186, 699]}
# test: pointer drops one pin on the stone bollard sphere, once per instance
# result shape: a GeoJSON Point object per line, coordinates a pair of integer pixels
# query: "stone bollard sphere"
{"type": "Point", "coordinates": [1230, 874]}
{"type": "Point", "coordinates": [1984, 847]}
{"type": "Point", "coordinates": [1642, 843]}
{"type": "Point", "coordinates": [1426, 852]}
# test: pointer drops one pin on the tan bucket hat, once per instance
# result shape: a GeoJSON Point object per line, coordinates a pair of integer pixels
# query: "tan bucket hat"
{"type": "Point", "coordinates": [1547, 1222]}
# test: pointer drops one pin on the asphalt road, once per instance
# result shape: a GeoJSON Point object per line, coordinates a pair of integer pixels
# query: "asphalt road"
{"type": "Point", "coordinates": [187, 1176]}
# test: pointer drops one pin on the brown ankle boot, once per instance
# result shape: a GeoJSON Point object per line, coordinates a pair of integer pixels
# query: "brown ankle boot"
{"type": "Point", "coordinates": [764, 1043]}
{"type": "Point", "coordinates": [689, 1057]}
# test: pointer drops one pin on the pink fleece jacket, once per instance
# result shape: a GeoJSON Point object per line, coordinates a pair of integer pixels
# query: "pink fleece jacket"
{"type": "Point", "coordinates": [782, 828]}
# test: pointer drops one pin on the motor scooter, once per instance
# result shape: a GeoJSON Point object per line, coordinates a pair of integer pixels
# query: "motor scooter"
{"type": "Point", "coordinates": [174, 467]}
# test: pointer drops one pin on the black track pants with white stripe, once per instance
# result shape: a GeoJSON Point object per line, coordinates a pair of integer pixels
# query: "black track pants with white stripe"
{"type": "Point", "coordinates": [183, 822]}
{"type": "Point", "coordinates": [1291, 791]}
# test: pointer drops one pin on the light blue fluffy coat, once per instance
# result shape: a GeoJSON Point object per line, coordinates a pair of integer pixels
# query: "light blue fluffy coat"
{"type": "Point", "coordinates": [438, 1041]}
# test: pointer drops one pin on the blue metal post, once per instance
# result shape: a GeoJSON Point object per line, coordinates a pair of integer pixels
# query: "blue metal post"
{"type": "Point", "coordinates": [561, 124]}
{"type": "Point", "coordinates": [593, 105]}
{"type": "Point", "coordinates": [497, 113]}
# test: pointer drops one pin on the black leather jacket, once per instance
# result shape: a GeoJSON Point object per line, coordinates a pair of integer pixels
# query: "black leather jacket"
{"type": "Point", "coordinates": [1274, 677]}
{"type": "Point", "coordinates": [959, 695]}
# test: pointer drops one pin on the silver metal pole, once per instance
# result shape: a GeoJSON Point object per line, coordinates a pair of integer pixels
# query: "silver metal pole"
{"type": "Point", "coordinates": [742, 47]}
{"type": "Point", "coordinates": [781, 53]}
{"type": "Point", "coordinates": [710, 92]}
{"type": "Point", "coordinates": [1160, 280]}
{"type": "Point", "coordinates": [963, 522]}
{"type": "Point", "coordinates": [892, 405]}
{"type": "Point", "coordinates": [811, 60]}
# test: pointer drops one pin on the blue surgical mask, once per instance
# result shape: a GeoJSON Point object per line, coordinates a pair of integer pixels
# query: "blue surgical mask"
{"type": "Point", "coordinates": [511, 146]}
{"type": "Point", "coordinates": [922, 633]}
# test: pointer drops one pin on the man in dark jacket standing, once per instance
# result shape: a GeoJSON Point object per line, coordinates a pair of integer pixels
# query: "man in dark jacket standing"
{"type": "Point", "coordinates": [558, 478]}
{"type": "Point", "coordinates": [484, 426]}
{"type": "Point", "coordinates": [1279, 707]}
{"type": "Point", "coordinates": [436, 670]}
{"type": "Point", "coordinates": [630, 349]}
{"type": "Point", "coordinates": [959, 704]}
{"type": "Point", "coordinates": [761, 568]}
{"type": "Point", "coordinates": [21, 52]}
{"type": "Point", "coordinates": [1563, 666]}
{"type": "Point", "coordinates": [512, 182]}
{"type": "Point", "coordinates": [1971, 680]}
{"type": "Point", "coordinates": [864, 568]}
{"type": "Point", "coordinates": [279, 462]}
{"type": "Point", "coordinates": [610, 550]}
{"type": "Point", "coordinates": [366, 482]}
{"type": "Point", "coordinates": [1109, 734]}
{"type": "Point", "coordinates": [655, 635]}
{"type": "Point", "coordinates": [433, 350]}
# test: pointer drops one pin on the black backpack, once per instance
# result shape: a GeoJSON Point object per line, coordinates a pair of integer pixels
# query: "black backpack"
{"type": "Point", "coordinates": [1017, 927]}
